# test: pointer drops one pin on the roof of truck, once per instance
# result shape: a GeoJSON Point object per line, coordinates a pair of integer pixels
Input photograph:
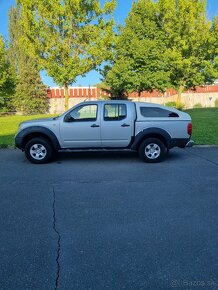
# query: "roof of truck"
{"type": "Point", "coordinates": [120, 101]}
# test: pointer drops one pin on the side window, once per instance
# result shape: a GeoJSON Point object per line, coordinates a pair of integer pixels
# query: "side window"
{"type": "Point", "coordinates": [156, 112]}
{"type": "Point", "coordinates": [84, 113]}
{"type": "Point", "coordinates": [115, 112]}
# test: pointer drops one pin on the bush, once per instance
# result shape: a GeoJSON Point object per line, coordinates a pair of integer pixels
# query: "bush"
{"type": "Point", "coordinates": [216, 103]}
{"type": "Point", "coordinates": [1, 101]}
{"type": "Point", "coordinates": [180, 106]}
{"type": "Point", "coordinates": [103, 98]}
{"type": "Point", "coordinates": [171, 104]}
{"type": "Point", "coordinates": [197, 106]}
{"type": "Point", "coordinates": [6, 104]}
{"type": "Point", "coordinates": [3, 110]}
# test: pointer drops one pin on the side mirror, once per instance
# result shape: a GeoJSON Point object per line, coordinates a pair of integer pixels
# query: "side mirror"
{"type": "Point", "coordinates": [68, 118]}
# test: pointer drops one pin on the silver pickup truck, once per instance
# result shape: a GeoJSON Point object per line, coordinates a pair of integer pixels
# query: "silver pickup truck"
{"type": "Point", "coordinates": [148, 128]}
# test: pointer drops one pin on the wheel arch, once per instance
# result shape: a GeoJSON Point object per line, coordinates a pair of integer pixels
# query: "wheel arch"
{"type": "Point", "coordinates": [36, 132]}
{"type": "Point", "coordinates": [152, 133]}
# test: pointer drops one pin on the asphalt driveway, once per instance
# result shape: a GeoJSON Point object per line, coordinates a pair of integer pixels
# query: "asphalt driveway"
{"type": "Point", "coordinates": [108, 221]}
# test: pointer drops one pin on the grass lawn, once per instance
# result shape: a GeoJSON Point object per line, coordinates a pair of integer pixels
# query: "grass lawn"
{"type": "Point", "coordinates": [205, 126]}
{"type": "Point", "coordinates": [9, 126]}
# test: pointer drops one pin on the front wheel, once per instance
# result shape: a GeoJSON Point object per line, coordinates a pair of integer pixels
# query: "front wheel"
{"type": "Point", "coordinates": [152, 150]}
{"type": "Point", "coordinates": [39, 151]}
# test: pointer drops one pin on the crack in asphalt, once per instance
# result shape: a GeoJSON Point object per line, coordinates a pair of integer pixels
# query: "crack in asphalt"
{"type": "Point", "coordinates": [58, 241]}
{"type": "Point", "coordinates": [204, 158]}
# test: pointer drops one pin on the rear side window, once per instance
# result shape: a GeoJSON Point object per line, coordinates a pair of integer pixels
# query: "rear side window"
{"type": "Point", "coordinates": [116, 112]}
{"type": "Point", "coordinates": [156, 112]}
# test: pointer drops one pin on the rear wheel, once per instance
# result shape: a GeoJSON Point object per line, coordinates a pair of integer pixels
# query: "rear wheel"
{"type": "Point", "coordinates": [152, 150]}
{"type": "Point", "coordinates": [39, 151]}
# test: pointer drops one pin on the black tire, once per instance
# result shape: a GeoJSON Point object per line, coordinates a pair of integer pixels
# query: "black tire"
{"type": "Point", "coordinates": [47, 153]}
{"type": "Point", "coordinates": [160, 150]}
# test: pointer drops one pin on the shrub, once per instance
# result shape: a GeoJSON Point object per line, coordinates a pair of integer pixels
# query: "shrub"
{"type": "Point", "coordinates": [3, 110]}
{"type": "Point", "coordinates": [197, 106]}
{"type": "Point", "coordinates": [6, 104]}
{"type": "Point", "coordinates": [180, 106]}
{"type": "Point", "coordinates": [171, 104]}
{"type": "Point", "coordinates": [103, 98]}
{"type": "Point", "coordinates": [216, 103]}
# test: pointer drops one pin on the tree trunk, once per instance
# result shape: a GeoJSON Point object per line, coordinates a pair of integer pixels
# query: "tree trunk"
{"type": "Point", "coordinates": [139, 95]}
{"type": "Point", "coordinates": [164, 96]}
{"type": "Point", "coordinates": [66, 88]}
{"type": "Point", "coordinates": [180, 91]}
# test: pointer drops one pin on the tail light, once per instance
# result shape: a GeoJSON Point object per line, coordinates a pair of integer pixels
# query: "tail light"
{"type": "Point", "coordinates": [189, 129]}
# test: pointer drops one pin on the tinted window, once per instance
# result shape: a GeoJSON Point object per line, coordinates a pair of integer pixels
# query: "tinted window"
{"type": "Point", "coordinates": [156, 112]}
{"type": "Point", "coordinates": [84, 113]}
{"type": "Point", "coordinates": [115, 112]}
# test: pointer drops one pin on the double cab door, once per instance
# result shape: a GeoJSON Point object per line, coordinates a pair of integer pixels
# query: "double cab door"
{"type": "Point", "coordinates": [97, 125]}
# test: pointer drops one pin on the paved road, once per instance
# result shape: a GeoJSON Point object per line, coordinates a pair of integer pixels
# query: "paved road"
{"type": "Point", "coordinates": [107, 221]}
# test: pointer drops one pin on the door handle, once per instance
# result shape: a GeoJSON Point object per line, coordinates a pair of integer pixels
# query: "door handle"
{"type": "Point", "coordinates": [125, 125]}
{"type": "Point", "coordinates": [95, 126]}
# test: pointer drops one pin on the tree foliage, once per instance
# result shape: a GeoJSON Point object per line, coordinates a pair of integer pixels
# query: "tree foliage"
{"type": "Point", "coordinates": [118, 79]}
{"type": "Point", "coordinates": [139, 63]}
{"type": "Point", "coordinates": [7, 83]}
{"type": "Point", "coordinates": [165, 43]}
{"type": "Point", "coordinates": [70, 38]}
{"type": "Point", "coordinates": [190, 51]}
{"type": "Point", "coordinates": [30, 94]}
{"type": "Point", "coordinates": [15, 52]}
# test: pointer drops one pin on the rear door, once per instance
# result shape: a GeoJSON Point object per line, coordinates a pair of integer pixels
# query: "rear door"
{"type": "Point", "coordinates": [116, 124]}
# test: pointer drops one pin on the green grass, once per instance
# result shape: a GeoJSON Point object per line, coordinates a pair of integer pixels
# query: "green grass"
{"type": "Point", "coordinates": [205, 126]}
{"type": "Point", "coordinates": [9, 126]}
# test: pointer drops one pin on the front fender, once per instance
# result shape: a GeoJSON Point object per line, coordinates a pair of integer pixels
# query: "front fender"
{"type": "Point", "coordinates": [34, 130]}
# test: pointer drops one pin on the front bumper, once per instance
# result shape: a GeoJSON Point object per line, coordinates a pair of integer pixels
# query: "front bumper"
{"type": "Point", "coordinates": [18, 141]}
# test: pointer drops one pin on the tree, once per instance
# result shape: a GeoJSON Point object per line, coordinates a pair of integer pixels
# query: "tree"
{"type": "Point", "coordinates": [7, 83]}
{"type": "Point", "coordinates": [15, 51]}
{"type": "Point", "coordinates": [165, 43]}
{"type": "Point", "coordinates": [212, 70]}
{"type": "Point", "coordinates": [139, 62]}
{"type": "Point", "coordinates": [30, 94]}
{"type": "Point", "coordinates": [69, 38]}
{"type": "Point", "coordinates": [117, 79]}
{"type": "Point", "coordinates": [190, 52]}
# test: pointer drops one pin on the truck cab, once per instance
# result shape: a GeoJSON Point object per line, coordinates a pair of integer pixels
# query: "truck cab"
{"type": "Point", "coordinates": [98, 125]}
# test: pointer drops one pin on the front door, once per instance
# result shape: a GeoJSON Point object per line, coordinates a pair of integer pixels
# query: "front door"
{"type": "Point", "coordinates": [81, 127]}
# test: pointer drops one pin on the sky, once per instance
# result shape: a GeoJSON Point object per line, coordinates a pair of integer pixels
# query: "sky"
{"type": "Point", "coordinates": [122, 10]}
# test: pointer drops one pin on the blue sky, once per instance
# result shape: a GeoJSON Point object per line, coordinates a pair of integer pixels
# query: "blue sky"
{"type": "Point", "coordinates": [121, 13]}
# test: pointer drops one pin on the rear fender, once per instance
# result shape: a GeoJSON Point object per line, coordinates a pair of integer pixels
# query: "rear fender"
{"type": "Point", "coordinates": [152, 132]}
